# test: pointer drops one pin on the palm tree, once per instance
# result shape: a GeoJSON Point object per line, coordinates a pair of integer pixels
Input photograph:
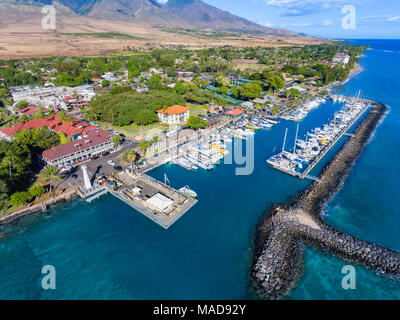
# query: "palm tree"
{"type": "Point", "coordinates": [50, 173]}
{"type": "Point", "coordinates": [130, 156]}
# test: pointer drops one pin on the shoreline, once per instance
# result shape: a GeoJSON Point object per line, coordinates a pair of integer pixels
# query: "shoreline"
{"type": "Point", "coordinates": [38, 208]}
{"type": "Point", "coordinates": [286, 230]}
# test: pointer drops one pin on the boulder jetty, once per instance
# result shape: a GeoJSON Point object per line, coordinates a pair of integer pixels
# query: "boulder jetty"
{"type": "Point", "coordinates": [286, 230]}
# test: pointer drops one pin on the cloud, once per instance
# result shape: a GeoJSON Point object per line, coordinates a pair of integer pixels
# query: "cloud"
{"type": "Point", "coordinates": [324, 23]}
{"type": "Point", "coordinates": [396, 18]}
{"type": "Point", "coordinates": [305, 7]}
{"type": "Point", "coordinates": [268, 24]}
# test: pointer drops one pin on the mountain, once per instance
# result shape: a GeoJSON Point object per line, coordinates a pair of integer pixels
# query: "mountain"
{"type": "Point", "coordinates": [167, 13]}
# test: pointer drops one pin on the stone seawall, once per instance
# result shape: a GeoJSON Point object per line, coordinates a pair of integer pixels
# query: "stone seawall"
{"type": "Point", "coordinates": [285, 230]}
{"type": "Point", "coordinates": [42, 207]}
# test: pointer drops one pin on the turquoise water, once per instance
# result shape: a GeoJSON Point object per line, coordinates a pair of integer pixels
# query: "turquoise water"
{"type": "Point", "coordinates": [106, 250]}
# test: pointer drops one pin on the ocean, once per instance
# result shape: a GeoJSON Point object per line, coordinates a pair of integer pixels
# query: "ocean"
{"type": "Point", "coordinates": [106, 250]}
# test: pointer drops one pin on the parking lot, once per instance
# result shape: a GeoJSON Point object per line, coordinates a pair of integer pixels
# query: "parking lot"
{"type": "Point", "coordinates": [96, 168]}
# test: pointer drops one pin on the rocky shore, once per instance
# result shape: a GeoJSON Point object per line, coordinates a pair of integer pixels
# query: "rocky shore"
{"type": "Point", "coordinates": [286, 230]}
{"type": "Point", "coordinates": [42, 207]}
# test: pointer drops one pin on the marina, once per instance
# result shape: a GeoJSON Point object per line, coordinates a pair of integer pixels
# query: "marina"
{"type": "Point", "coordinates": [209, 151]}
{"type": "Point", "coordinates": [302, 111]}
{"type": "Point", "coordinates": [307, 153]}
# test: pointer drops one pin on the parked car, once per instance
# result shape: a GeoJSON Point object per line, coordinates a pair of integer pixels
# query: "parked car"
{"type": "Point", "coordinates": [118, 168]}
{"type": "Point", "coordinates": [65, 169]}
{"type": "Point", "coordinates": [111, 163]}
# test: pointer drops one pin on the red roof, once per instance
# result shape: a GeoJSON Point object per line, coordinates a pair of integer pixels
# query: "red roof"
{"type": "Point", "coordinates": [176, 109]}
{"type": "Point", "coordinates": [235, 112]}
{"type": "Point", "coordinates": [30, 110]}
{"type": "Point", "coordinates": [53, 122]}
{"type": "Point", "coordinates": [91, 139]}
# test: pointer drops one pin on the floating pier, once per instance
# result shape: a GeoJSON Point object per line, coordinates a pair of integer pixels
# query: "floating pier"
{"type": "Point", "coordinates": [288, 168]}
{"type": "Point", "coordinates": [333, 142]}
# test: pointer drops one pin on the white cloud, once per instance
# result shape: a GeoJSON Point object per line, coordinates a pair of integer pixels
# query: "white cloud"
{"type": "Point", "coordinates": [293, 3]}
{"type": "Point", "coordinates": [326, 23]}
{"type": "Point", "coordinates": [396, 18]}
{"type": "Point", "coordinates": [268, 24]}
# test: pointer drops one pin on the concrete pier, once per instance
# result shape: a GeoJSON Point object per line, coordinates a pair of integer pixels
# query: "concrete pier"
{"type": "Point", "coordinates": [137, 190]}
{"type": "Point", "coordinates": [285, 230]}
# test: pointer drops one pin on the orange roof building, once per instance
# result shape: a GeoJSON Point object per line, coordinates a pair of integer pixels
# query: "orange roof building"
{"type": "Point", "coordinates": [235, 113]}
{"type": "Point", "coordinates": [174, 114]}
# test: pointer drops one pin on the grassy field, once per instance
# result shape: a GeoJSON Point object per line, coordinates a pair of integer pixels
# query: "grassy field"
{"type": "Point", "coordinates": [196, 109]}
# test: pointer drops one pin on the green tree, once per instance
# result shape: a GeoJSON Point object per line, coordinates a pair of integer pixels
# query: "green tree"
{"type": "Point", "coordinates": [36, 190]}
{"type": "Point", "coordinates": [105, 83]}
{"type": "Point", "coordinates": [129, 156]}
{"type": "Point", "coordinates": [292, 92]}
{"type": "Point", "coordinates": [155, 82]}
{"type": "Point", "coordinates": [3, 194]}
{"type": "Point", "coordinates": [196, 123]}
{"type": "Point", "coordinates": [117, 140]}
{"type": "Point", "coordinates": [19, 198]}
{"type": "Point", "coordinates": [49, 174]}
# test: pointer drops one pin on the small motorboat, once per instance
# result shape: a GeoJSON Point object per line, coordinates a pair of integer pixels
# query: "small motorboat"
{"type": "Point", "coordinates": [187, 191]}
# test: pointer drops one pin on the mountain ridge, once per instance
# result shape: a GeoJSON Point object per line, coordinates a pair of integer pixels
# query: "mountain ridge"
{"type": "Point", "coordinates": [173, 13]}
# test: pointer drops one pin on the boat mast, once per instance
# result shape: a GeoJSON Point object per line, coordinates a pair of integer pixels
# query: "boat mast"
{"type": "Point", "coordinates": [166, 180]}
{"type": "Point", "coordinates": [284, 141]}
{"type": "Point", "coordinates": [295, 140]}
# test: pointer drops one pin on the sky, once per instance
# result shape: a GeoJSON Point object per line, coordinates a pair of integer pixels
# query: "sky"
{"type": "Point", "coordinates": [343, 19]}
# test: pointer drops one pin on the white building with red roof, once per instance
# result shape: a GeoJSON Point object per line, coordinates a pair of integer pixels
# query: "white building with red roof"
{"type": "Point", "coordinates": [174, 114]}
{"type": "Point", "coordinates": [88, 145]}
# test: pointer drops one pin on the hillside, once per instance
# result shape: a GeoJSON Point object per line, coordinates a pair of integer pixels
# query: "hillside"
{"type": "Point", "coordinates": [84, 27]}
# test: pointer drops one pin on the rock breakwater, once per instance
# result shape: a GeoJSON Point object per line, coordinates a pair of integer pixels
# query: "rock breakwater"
{"type": "Point", "coordinates": [286, 230]}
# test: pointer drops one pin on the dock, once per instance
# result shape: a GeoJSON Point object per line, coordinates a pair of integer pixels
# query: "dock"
{"type": "Point", "coordinates": [344, 132]}
{"type": "Point", "coordinates": [97, 195]}
{"type": "Point", "coordinates": [333, 142]}
{"type": "Point", "coordinates": [154, 199]}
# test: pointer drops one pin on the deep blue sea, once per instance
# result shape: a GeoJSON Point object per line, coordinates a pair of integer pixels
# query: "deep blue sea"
{"type": "Point", "coordinates": [106, 250]}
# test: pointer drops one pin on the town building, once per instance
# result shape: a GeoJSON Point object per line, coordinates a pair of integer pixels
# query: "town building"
{"type": "Point", "coordinates": [160, 203]}
{"type": "Point", "coordinates": [341, 58]}
{"type": "Point", "coordinates": [247, 105]}
{"type": "Point", "coordinates": [88, 145]}
{"type": "Point", "coordinates": [235, 113]}
{"type": "Point", "coordinates": [174, 114]}
{"type": "Point", "coordinates": [72, 129]}
{"type": "Point", "coordinates": [30, 110]}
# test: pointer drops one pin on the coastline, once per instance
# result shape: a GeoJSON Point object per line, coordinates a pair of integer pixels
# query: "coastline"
{"type": "Point", "coordinates": [353, 73]}
{"type": "Point", "coordinates": [285, 230]}
{"type": "Point", "coordinates": [41, 207]}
